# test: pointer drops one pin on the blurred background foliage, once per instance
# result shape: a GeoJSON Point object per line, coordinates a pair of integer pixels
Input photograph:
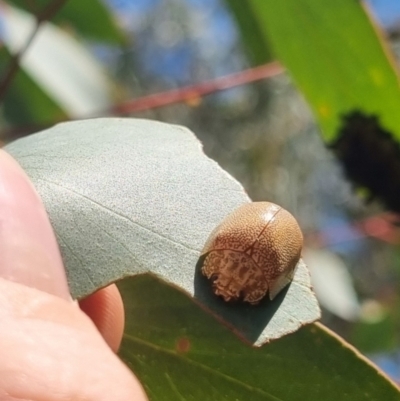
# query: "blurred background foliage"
{"type": "Point", "coordinates": [105, 57]}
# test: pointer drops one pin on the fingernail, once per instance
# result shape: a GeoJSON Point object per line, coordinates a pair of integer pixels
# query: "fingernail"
{"type": "Point", "coordinates": [29, 252]}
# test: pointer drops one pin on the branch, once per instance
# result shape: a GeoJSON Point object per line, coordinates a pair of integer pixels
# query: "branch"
{"type": "Point", "coordinates": [194, 92]}
{"type": "Point", "coordinates": [184, 94]}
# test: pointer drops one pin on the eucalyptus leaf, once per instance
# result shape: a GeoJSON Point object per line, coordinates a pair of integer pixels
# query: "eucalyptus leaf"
{"type": "Point", "coordinates": [93, 19]}
{"type": "Point", "coordinates": [334, 53]}
{"type": "Point", "coordinates": [333, 284]}
{"type": "Point", "coordinates": [40, 108]}
{"type": "Point", "coordinates": [58, 64]}
{"type": "Point", "coordinates": [128, 197]}
{"type": "Point", "coordinates": [179, 352]}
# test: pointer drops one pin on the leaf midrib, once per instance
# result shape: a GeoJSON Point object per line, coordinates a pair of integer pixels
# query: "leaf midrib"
{"type": "Point", "coordinates": [155, 347]}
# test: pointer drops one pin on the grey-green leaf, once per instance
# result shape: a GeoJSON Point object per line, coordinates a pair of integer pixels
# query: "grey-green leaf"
{"type": "Point", "coordinates": [128, 197]}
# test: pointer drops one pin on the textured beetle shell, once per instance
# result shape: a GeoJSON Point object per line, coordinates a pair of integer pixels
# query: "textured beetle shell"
{"type": "Point", "coordinates": [253, 251]}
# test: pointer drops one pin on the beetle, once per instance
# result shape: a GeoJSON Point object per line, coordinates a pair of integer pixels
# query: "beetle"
{"type": "Point", "coordinates": [254, 250]}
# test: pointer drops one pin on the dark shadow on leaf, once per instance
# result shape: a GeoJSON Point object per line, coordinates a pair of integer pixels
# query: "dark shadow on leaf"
{"type": "Point", "coordinates": [370, 156]}
{"type": "Point", "coordinates": [248, 320]}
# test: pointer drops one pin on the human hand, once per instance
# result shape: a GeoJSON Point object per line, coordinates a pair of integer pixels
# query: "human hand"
{"type": "Point", "coordinates": [49, 349]}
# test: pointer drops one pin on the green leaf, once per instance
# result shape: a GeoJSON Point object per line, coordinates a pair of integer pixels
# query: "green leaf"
{"type": "Point", "coordinates": [334, 55]}
{"type": "Point", "coordinates": [128, 197]}
{"type": "Point", "coordinates": [255, 43]}
{"type": "Point", "coordinates": [375, 336]}
{"type": "Point", "coordinates": [179, 352]}
{"type": "Point", "coordinates": [91, 18]}
{"type": "Point", "coordinates": [67, 81]}
{"type": "Point", "coordinates": [25, 101]}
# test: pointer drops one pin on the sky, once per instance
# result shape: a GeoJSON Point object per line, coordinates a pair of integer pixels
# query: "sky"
{"type": "Point", "coordinates": [387, 11]}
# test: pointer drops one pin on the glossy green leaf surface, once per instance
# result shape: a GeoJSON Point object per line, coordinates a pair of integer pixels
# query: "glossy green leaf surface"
{"type": "Point", "coordinates": [128, 197]}
{"type": "Point", "coordinates": [335, 56]}
{"type": "Point", "coordinates": [179, 352]}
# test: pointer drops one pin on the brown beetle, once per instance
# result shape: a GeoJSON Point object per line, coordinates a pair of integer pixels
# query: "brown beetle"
{"type": "Point", "coordinates": [253, 251]}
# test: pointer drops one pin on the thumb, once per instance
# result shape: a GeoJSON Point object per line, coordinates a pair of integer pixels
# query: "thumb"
{"type": "Point", "coordinates": [28, 250]}
{"type": "Point", "coordinates": [50, 350]}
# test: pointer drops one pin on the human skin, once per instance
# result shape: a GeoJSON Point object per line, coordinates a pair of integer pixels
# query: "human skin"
{"type": "Point", "coordinates": [50, 348]}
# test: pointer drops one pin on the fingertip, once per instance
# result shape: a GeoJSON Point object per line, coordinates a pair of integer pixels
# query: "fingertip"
{"type": "Point", "coordinates": [105, 308]}
{"type": "Point", "coordinates": [29, 251]}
